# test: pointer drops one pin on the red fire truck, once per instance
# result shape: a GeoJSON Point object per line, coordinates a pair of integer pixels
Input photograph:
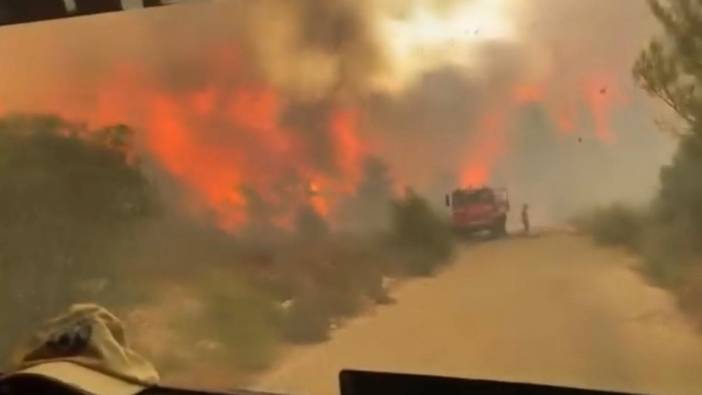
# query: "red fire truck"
{"type": "Point", "coordinates": [479, 209]}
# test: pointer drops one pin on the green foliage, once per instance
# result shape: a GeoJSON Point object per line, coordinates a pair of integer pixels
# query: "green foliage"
{"type": "Point", "coordinates": [670, 69]}
{"type": "Point", "coordinates": [328, 279]}
{"type": "Point", "coordinates": [68, 206]}
{"type": "Point", "coordinates": [305, 322]}
{"type": "Point", "coordinates": [333, 281]}
{"type": "Point", "coordinates": [690, 294]}
{"type": "Point", "coordinates": [614, 225]}
{"type": "Point", "coordinates": [242, 319]}
{"type": "Point", "coordinates": [680, 197]}
{"type": "Point", "coordinates": [420, 235]}
{"type": "Point", "coordinates": [666, 253]}
{"type": "Point", "coordinates": [213, 316]}
{"type": "Point", "coordinates": [309, 225]}
{"type": "Point", "coordinates": [672, 243]}
{"type": "Point", "coordinates": [368, 210]}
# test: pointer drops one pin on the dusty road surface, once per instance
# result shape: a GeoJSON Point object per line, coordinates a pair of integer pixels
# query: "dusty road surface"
{"type": "Point", "coordinates": [551, 309]}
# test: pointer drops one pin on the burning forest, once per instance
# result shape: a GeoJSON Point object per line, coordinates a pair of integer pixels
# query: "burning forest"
{"type": "Point", "coordinates": [289, 110]}
{"type": "Point", "coordinates": [302, 149]}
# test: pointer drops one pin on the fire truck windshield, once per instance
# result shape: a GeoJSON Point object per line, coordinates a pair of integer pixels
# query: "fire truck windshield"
{"type": "Point", "coordinates": [267, 192]}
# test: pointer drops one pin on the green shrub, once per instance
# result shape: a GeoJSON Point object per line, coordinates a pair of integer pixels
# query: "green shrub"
{"type": "Point", "coordinates": [70, 209]}
{"type": "Point", "coordinates": [238, 318]}
{"type": "Point", "coordinates": [669, 69]}
{"type": "Point", "coordinates": [420, 237]}
{"type": "Point", "coordinates": [329, 279]}
{"type": "Point", "coordinates": [668, 250]}
{"type": "Point", "coordinates": [614, 225]}
{"type": "Point", "coordinates": [690, 293]}
{"type": "Point", "coordinates": [305, 321]}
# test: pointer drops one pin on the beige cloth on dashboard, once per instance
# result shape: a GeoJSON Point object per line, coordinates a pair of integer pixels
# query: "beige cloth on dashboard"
{"type": "Point", "coordinates": [85, 349]}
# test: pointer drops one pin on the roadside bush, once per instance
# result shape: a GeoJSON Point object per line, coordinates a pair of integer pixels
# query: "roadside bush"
{"type": "Point", "coordinates": [305, 321]}
{"type": "Point", "coordinates": [690, 293]}
{"type": "Point", "coordinates": [217, 318]}
{"type": "Point", "coordinates": [419, 236]}
{"type": "Point", "coordinates": [671, 244]}
{"type": "Point", "coordinates": [326, 281]}
{"type": "Point", "coordinates": [669, 70]}
{"type": "Point", "coordinates": [70, 207]}
{"type": "Point", "coordinates": [668, 250]}
{"type": "Point", "coordinates": [680, 197]}
{"type": "Point", "coordinates": [243, 320]}
{"type": "Point", "coordinates": [665, 247]}
{"type": "Point", "coordinates": [614, 225]}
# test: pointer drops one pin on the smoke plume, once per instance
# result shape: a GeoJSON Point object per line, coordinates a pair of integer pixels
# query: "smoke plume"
{"type": "Point", "coordinates": [287, 99]}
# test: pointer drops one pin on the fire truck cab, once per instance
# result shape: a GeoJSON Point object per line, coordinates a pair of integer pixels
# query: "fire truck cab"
{"type": "Point", "coordinates": [479, 209]}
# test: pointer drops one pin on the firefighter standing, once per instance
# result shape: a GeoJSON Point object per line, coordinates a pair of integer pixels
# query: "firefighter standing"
{"type": "Point", "coordinates": [525, 219]}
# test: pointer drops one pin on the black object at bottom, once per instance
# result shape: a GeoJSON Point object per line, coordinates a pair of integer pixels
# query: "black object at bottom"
{"type": "Point", "coordinates": [354, 382]}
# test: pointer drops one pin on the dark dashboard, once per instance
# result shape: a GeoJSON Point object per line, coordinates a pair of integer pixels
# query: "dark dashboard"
{"type": "Point", "coordinates": [352, 382]}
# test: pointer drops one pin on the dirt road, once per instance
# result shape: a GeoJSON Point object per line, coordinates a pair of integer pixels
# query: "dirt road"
{"type": "Point", "coordinates": [551, 309]}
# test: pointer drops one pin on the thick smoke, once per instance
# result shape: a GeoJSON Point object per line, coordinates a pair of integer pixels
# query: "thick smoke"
{"type": "Point", "coordinates": [317, 49]}
{"type": "Point", "coordinates": [568, 127]}
{"type": "Point", "coordinates": [256, 95]}
{"type": "Point", "coordinates": [611, 150]}
{"type": "Point", "coordinates": [557, 88]}
{"type": "Point", "coordinates": [306, 48]}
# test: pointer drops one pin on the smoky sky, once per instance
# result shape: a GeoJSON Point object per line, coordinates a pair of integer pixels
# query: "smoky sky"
{"type": "Point", "coordinates": [560, 176]}
{"type": "Point", "coordinates": [322, 54]}
{"type": "Point", "coordinates": [578, 54]}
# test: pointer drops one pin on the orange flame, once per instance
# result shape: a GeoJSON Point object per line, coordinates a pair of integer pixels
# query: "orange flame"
{"type": "Point", "coordinates": [565, 119]}
{"type": "Point", "coordinates": [224, 135]}
{"type": "Point", "coordinates": [317, 200]}
{"type": "Point", "coordinates": [227, 133]}
{"type": "Point", "coordinates": [350, 150]}
{"type": "Point", "coordinates": [528, 93]}
{"type": "Point", "coordinates": [601, 94]}
{"type": "Point", "coordinates": [485, 149]}
{"type": "Point", "coordinates": [204, 102]}
{"type": "Point", "coordinates": [212, 171]}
